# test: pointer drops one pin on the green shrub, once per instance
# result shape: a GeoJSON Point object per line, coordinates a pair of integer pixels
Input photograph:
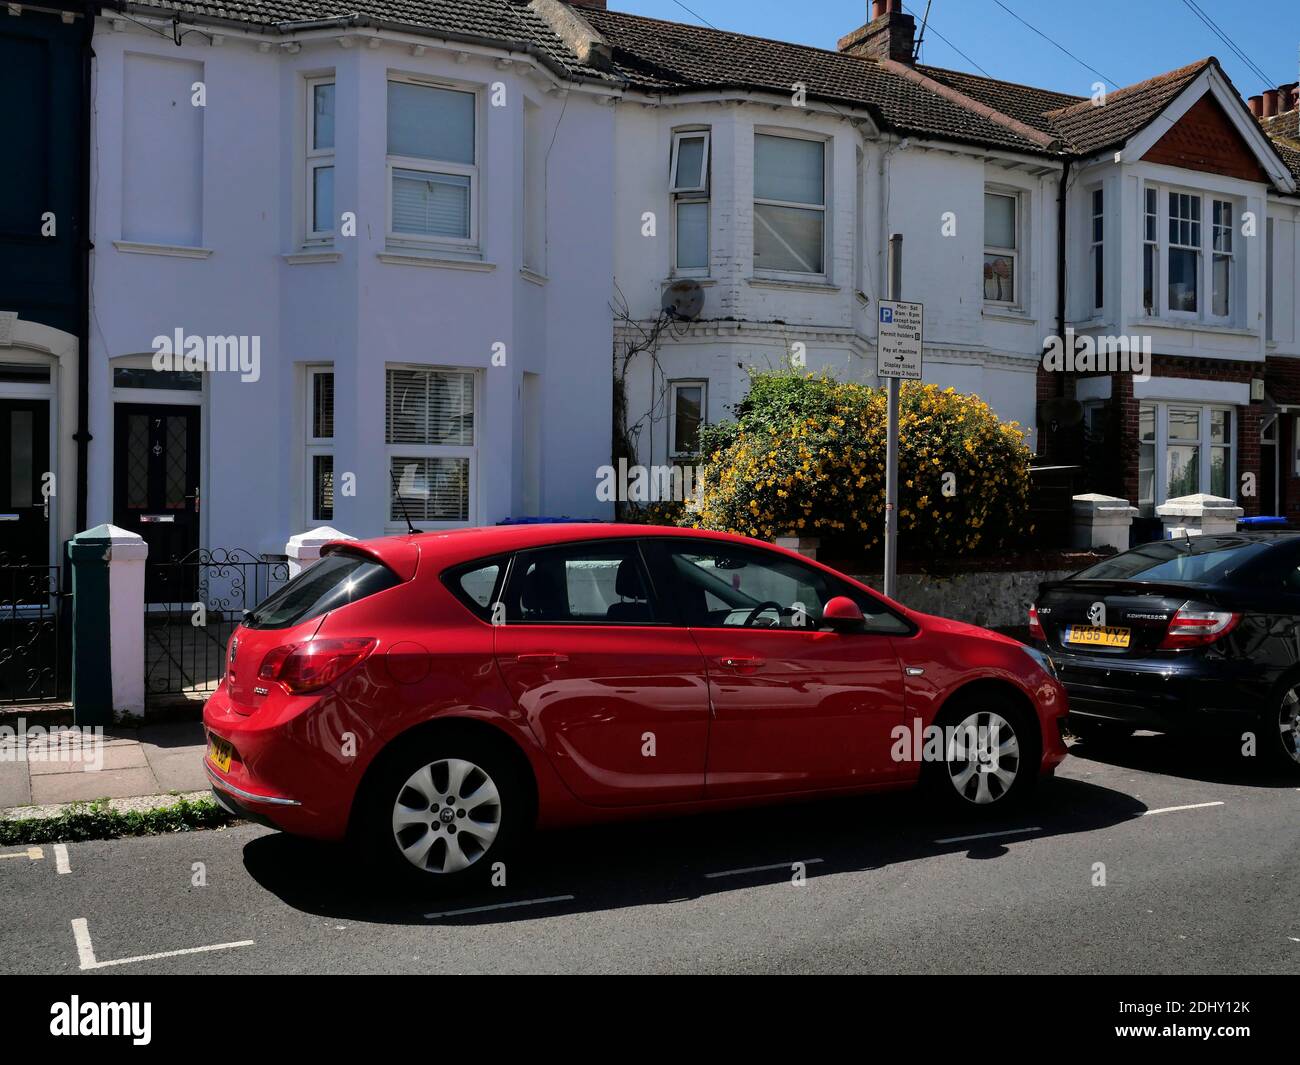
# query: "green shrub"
{"type": "Point", "coordinates": [806, 455]}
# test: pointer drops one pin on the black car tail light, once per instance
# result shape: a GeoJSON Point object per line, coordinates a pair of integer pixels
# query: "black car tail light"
{"type": "Point", "coordinates": [1036, 626]}
{"type": "Point", "coordinates": [1196, 625]}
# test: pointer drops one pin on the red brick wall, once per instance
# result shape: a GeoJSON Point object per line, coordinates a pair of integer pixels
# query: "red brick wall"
{"type": "Point", "coordinates": [1247, 417]}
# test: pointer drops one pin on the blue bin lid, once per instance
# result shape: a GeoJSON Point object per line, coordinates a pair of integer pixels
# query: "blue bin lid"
{"type": "Point", "coordinates": [1271, 519]}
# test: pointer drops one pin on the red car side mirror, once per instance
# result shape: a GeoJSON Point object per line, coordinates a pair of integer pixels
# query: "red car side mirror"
{"type": "Point", "coordinates": [842, 614]}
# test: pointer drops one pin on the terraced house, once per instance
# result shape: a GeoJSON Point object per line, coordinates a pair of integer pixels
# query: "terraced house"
{"type": "Point", "coordinates": [431, 244]}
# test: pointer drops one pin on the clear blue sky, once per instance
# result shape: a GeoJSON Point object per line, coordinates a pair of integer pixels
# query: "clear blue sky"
{"type": "Point", "coordinates": [1126, 40]}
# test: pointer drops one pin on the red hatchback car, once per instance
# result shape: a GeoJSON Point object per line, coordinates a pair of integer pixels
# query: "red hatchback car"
{"type": "Point", "coordinates": [436, 696]}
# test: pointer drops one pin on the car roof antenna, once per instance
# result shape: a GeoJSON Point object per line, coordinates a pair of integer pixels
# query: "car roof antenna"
{"type": "Point", "coordinates": [410, 525]}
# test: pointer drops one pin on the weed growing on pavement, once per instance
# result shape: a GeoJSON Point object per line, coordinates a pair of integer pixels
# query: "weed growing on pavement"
{"type": "Point", "coordinates": [98, 820]}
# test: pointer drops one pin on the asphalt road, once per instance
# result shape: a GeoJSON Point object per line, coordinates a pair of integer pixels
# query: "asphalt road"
{"type": "Point", "coordinates": [1208, 889]}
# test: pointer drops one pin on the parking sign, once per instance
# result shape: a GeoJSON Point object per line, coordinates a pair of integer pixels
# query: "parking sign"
{"type": "Point", "coordinates": [899, 339]}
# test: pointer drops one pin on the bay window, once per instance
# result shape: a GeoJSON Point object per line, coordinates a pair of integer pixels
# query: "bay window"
{"type": "Point", "coordinates": [1184, 252]}
{"type": "Point", "coordinates": [1001, 246]}
{"type": "Point", "coordinates": [430, 442]}
{"type": "Point", "coordinates": [789, 205]}
{"type": "Point", "coordinates": [1097, 250]}
{"type": "Point", "coordinates": [320, 160]}
{"type": "Point", "coordinates": [1183, 449]}
{"type": "Point", "coordinates": [689, 185]}
{"type": "Point", "coordinates": [1150, 248]}
{"type": "Point", "coordinates": [432, 164]}
{"type": "Point", "coordinates": [1221, 249]}
{"type": "Point", "coordinates": [1200, 279]}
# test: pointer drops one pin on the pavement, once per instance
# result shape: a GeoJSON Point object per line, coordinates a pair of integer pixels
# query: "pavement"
{"type": "Point", "coordinates": [1152, 857]}
{"type": "Point", "coordinates": [64, 766]}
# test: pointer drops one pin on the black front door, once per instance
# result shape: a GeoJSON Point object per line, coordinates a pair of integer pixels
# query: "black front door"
{"type": "Point", "coordinates": [156, 487]}
{"type": "Point", "coordinates": [25, 445]}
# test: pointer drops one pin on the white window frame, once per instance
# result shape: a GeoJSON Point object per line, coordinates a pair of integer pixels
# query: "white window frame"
{"type": "Point", "coordinates": [823, 207]}
{"type": "Point", "coordinates": [433, 166]}
{"type": "Point", "coordinates": [1016, 196]}
{"type": "Point", "coordinates": [316, 159]}
{"type": "Point", "coordinates": [316, 445]}
{"type": "Point", "coordinates": [673, 388]}
{"type": "Point", "coordinates": [470, 452]}
{"type": "Point", "coordinates": [1162, 444]}
{"type": "Point", "coordinates": [1151, 225]}
{"type": "Point", "coordinates": [1097, 245]}
{"type": "Point", "coordinates": [1196, 224]}
{"type": "Point", "coordinates": [702, 184]}
{"type": "Point", "coordinates": [694, 194]}
{"type": "Point", "coordinates": [1215, 253]}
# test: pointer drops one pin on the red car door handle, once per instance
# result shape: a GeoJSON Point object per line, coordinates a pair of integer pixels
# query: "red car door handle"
{"type": "Point", "coordinates": [752, 662]}
{"type": "Point", "coordinates": [542, 658]}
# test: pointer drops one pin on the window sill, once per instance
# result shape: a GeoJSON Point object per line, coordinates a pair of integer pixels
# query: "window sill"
{"type": "Point", "coordinates": [175, 251]}
{"type": "Point", "coordinates": [786, 283]}
{"type": "Point", "coordinates": [1007, 314]}
{"type": "Point", "coordinates": [533, 277]}
{"type": "Point", "coordinates": [1197, 324]}
{"type": "Point", "coordinates": [315, 255]}
{"type": "Point", "coordinates": [416, 258]}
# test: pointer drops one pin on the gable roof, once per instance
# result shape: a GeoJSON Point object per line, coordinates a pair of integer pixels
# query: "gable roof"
{"type": "Point", "coordinates": [1090, 128]}
{"type": "Point", "coordinates": [671, 57]}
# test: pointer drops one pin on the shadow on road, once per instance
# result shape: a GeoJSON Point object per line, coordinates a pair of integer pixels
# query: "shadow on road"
{"type": "Point", "coordinates": [660, 862]}
{"type": "Point", "coordinates": [1213, 761]}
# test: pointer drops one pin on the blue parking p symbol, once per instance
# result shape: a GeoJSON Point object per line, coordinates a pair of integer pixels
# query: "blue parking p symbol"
{"type": "Point", "coordinates": [887, 315]}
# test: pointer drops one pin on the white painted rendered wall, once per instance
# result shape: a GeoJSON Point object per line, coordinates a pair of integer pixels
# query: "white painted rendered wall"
{"type": "Point", "coordinates": [751, 322]}
{"type": "Point", "coordinates": [358, 312]}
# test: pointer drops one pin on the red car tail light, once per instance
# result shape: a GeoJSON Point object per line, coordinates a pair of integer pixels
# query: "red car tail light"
{"type": "Point", "coordinates": [310, 666]}
{"type": "Point", "coordinates": [1194, 625]}
{"type": "Point", "coordinates": [1035, 626]}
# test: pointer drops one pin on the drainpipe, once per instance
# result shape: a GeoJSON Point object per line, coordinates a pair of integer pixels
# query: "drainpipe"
{"type": "Point", "coordinates": [1061, 216]}
{"type": "Point", "coordinates": [82, 436]}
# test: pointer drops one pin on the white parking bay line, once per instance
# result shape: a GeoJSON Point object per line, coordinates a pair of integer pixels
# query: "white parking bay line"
{"type": "Point", "coordinates": [33, 853]}
{"type": "Point", "coordinates": [86, 951]}
{"type": "Point", "coordinates": [989, 835]}
{"type": "Point", "coordinates": [763, 868]}
{"type": "Point", "coordinates": [500, 906]}
{"type": "Point", "coordinates": [1176, 809]}
{"type": "Point", "coordinates": [61, 858]}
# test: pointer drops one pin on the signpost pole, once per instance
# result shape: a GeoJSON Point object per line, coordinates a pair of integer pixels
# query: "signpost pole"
{"type": "Point", "coordinates": [891, 448]}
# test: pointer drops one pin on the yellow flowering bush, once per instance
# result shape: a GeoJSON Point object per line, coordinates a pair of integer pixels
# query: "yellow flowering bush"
{"type": "Point", "coordinates": [806, 455]}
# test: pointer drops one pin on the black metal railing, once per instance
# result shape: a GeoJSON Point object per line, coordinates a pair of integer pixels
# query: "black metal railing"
{"type": "Point", "coordinates": [194, 605]}
{"type": "Point", "coordinates": [31, 633]}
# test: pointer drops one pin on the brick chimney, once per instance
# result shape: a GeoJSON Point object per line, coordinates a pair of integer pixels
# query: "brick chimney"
{"type": "Point", "coordinates": [891, 34]}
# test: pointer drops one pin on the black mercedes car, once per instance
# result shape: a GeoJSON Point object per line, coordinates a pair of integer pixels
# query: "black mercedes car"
{"type": "Point", "coordinates": [1194, 635]}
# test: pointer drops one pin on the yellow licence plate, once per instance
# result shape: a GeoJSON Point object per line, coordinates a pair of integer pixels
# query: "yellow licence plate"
{"type": "Point", "coordinates": [1097, 635]}
{"type": "Point", "coordinates": [220, 752]}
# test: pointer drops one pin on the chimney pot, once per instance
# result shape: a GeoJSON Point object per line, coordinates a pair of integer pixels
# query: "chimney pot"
{"type": "Point", "coordinates": [1270, 103]}
{"type": "Point", "coordinates": [1286, 97]}
{"type": "Point", "coordinates": [877, 8]}
{"type": "Point", "coordinates": [1256, 105]}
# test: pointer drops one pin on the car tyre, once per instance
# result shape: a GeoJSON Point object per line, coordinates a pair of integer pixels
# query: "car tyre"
{"type": "Point", "coordinates": [969, 780]}
{"type": "Point", "coordinates": [1279, 732]}
{"type": "Point", "coordinates": [445, 811]}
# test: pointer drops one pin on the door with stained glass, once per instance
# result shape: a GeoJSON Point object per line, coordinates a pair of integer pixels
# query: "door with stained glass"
{"type": "Point", "coordinates": [156, 487]}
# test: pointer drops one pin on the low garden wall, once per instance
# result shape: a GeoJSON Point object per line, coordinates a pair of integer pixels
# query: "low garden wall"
{"type": "Point", "coordinates": [993, 600]}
